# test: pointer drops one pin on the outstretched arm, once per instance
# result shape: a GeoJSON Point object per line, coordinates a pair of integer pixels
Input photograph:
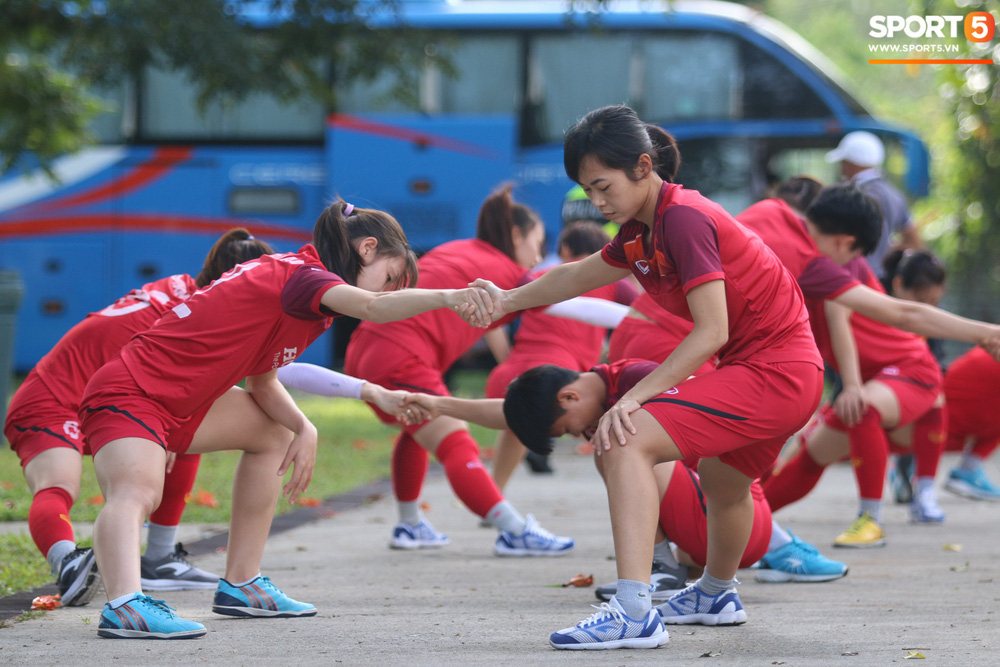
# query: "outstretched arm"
{"type": "Point", "coordinates": [324, 382]}
{"type": "Point", "coordinates": [919, 318]}
{"type": "Point", "coordinates": [472, 303]}
{"type": "Point", "coordinates": [486, 412]}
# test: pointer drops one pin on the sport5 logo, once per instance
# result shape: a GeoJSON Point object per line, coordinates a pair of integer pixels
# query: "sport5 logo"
{"type": "Point", "coordinates": [978, 26]}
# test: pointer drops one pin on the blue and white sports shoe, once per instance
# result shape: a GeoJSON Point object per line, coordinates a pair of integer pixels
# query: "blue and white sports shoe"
{"type": "Point", "coordinates": [258, 598]}
{"type": "Point", "coordinates": [901, 479]}
{"type": "Point", "coordinates": [797, 561]}
{"type": "Point", "coordinates": [142, 617]}
{"type": "Point", "coordinates": [534, 541]}
{"type": "Point", "coordinates": [692, 605]}
{"type": "Point", "coordinates": [421, 536]}
{"type": "Point", "coordinates": [972, 484]}
{"type": "Point", "coordinates": [924, 508]}
{"type": "Point", "coordinates": [611, 628]}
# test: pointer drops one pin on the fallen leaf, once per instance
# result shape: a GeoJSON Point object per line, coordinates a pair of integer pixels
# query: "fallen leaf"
{"type": "Point", "coordinates": [849, 653]}
{"type": "Point", "coordinates": [425, 506]}
{"type": "Point", "coordinates": [913, 655]}
{"type": "Point", "coordinates": [46, 602]}
{"type": "Point", "coordinates": [952, 547]}
{"type": "Point", "coordinates": [360, 444]}
{"type": "Point", "coordinates": [580, 581]}
{"type": "Point", "coordinates": [585, 449]}
{"type": "Point", "coordinates": [94, 500]}
{"type": "Point", "coordinates": [711, 654]}
{"type": "Point", "coordinates": [960, 568]}
{"type": "Point", "coordinates": [309, 502]}
{"type": "Point", "coordinates": [7, 486]}
{"type": "Point", "coordinates": [205, 499]}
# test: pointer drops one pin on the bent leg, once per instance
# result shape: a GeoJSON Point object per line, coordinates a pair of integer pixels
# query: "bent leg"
{"type": "Point", "coordinates": [53, 478]}
{"type": "Point", "coordinates": [730, 513]}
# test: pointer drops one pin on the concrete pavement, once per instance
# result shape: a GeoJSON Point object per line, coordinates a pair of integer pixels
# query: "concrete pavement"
{"type": "Point", "coordinates": [463, 606]}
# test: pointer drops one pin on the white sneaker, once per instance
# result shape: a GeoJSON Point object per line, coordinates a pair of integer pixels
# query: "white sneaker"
{"type": "Point", "coordinates": [611, 628]}
{"type": "Point", "coordinates": [421, 536]}
{"type": "Point", "coordinates": [534, 541]}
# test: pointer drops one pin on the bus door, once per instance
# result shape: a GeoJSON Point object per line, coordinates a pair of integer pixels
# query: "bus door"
{"type": "Point", "coordinates": [430, 172]}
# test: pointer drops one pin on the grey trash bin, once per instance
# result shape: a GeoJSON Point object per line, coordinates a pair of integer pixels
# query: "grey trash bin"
{"type": "Point", "coordinates": [11, 291]}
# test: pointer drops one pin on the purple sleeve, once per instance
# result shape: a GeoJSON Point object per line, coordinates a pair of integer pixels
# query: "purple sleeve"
{"type": "Point", "coordinates": [626, 292]}
{"type": "Point", "coordinates": [614, 252]}
{"type": "Point", "coordinates": [301, 295]}
{"type": "Point", "coordinates": [825, 279]}
{"type": "Point", "coordinates": [691, 242]}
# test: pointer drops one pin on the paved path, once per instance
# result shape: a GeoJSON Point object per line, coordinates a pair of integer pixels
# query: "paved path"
{"type": "Point", "coordinates": [463, 606]}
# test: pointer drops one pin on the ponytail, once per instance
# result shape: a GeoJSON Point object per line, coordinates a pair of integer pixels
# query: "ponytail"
{"type": "Point", "coordinates": [234, 247]}
{"type": "Point", "coordinates": [499, 215]}
{"type": "Point", "coordinates": [916, 269]}
{"type": "Point", "coordinates": [340, 225]}
{"type": "Point", "coordinates": [798, 191]}
{"type": "Point", "coordinates": [667, 157]}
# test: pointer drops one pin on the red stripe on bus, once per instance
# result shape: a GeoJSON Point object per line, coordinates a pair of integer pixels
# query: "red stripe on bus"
{"type": "Point", "coordinates": [349, 122]}
{"type": "Point", "coordinates": [98, 222]}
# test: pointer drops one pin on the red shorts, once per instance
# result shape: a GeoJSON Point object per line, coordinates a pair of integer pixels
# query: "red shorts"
{"type": "Point", "coordinates": [636, 338]}
{"type": "Point", "coordinates": [683, 518]}
{"type": "Point", "coordinates": [505, 373]}
{"type": "Point", "coordinates": [380, 361]}
{"type": "Point", "coordinates": [114, 407]}
{"type": "Point", "coordinates": [37, 422]}
{"type": "Point", "coordinates": [914, 396]}
{"type": "Point", "coordinates": [741, 413]}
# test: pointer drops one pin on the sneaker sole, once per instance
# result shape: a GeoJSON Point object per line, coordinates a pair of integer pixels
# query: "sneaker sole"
{"type": "Point", "coordinates": [860, 545]}
{"type": "Point", "coordinates": [523, 553]}
{"type": "Point", "coordinates": [254, 612]}
{"type": "Point", "coordinates": [84, 588]}
{"type": "Point", "coordinates": [177, 585]}
{"type": "Point", "coordinates": [115, 633]}
{"type": "Point", "coordinates": [655, 641]}
{"type": "Point", "coordinates": [729, 618]}
{"type": "Point", "coordinates": [968, 491]}
{"type": "Point", "coordinates": [779, 577]}
{"type": "Point", "coordinates": [410, 545]}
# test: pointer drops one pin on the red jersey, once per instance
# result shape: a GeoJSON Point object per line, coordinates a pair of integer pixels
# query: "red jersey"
{"type": "Point", "coordinates": [90, 344]}
{"type": "Point", "coordinates": [439, 337]}
{"type": "Point", "coordinates": [539, 335]}
{"type": "Point", "coordinates": [671, 324]}
{"type": "Point", "coordinates": [694, 241]}
{"type": "Point", "coordinates": [881, 347]}
{"type": "Point", "coordinates": [973, 381]}
{"type": "Point", "coordinates": [258, 316]}
{"type": "Point", "coordinates": [785, 233]}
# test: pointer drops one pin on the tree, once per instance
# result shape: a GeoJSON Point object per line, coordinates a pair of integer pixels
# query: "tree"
{"type": "Point", "coordinates": [52, 52]}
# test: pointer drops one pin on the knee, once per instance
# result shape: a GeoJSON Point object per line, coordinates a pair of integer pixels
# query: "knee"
{"type": "Point", "coordinates": [136, 495]}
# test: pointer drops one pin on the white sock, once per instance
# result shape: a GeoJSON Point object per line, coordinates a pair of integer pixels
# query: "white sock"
{"type": "Point", "coordinates": [409, 512]}
{"type": "Point", "coordinates": [779, 537]}
{"type": "Point", "coordinates": [970, 462]}
{"type": "Point", "coordinates": [117, 602]}
{"type": "Point", "coordinates": [160, 541]}
{"type": "Point", "coordinates": [873, 507]}
{"type": "Point", "coordinates": [663, 553]}
{"type": "Point", "coordinates": [634, 598]}
{"type": "Point", "coordinates": [244, 583]}
{"type": "Point", "coordinates": [503, 516]}
{"type": "Point", "coordinates": [56, 553]}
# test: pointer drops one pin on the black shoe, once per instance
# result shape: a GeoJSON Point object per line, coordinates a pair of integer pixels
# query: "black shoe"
{"type": "Point", "coordinates": [174, 572]}
{"type": "Point", "coordinates": [665, 580]}
{"type": "Point", "coordinates": [78, 578]}
{"type": "Point", "coordinates": [538, 463]}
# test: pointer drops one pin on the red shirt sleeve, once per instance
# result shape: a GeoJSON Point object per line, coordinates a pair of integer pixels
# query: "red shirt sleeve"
{"type": "Point", "coordinates": [614, 252]}
{"type": "Point", "coordinates": [825, 279]}
{"type": "Point", "coordinates": [691, 242]}
{"type": "Point", "coordinates": [303, 292]}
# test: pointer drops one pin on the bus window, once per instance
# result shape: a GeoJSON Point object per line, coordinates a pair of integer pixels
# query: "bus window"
{"type": "Point", "coordinates": [771, 90]}
{"type": "Point", "coordinates": [169, 111]}
{"type": "Point", "coordinates": [568, 76]}
{"type": "Point", "coordinates": [117, 122]}
{"type": "Point", "coordinates": [688, 76]}
{"type": "Point", "coordinates": [720, 168]}
{"type": "Point", "coordinates": [486, 78]}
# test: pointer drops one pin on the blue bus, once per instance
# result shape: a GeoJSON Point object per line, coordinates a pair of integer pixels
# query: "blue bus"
{"type": "Point", "coordinates": [749, 101]}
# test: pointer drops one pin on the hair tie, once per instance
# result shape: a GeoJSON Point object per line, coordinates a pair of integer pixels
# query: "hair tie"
{"type": "Point", "coordinates": [251, 237]}
{"type": "Point", "coordinates": [348, 210]}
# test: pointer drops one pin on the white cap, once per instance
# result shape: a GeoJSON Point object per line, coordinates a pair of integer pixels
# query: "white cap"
{"type": "Point", "coordinates": [861, 148]}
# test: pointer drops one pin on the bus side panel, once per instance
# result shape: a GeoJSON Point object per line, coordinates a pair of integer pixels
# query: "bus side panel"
{"type": "Point", "coordinates": [431, 173]}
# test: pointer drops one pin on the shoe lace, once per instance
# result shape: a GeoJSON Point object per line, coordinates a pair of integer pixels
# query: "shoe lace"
{"type": "Point", "coordinates": [604, 610]}
{"type": "Point", "coordinates": [179, 555]}
{"type": "Point", "coordinates": [537, 530]}
{"type": "Point", "coordinates": [159, 606]}
{"type": "Point", "coordinates": [859, 524]}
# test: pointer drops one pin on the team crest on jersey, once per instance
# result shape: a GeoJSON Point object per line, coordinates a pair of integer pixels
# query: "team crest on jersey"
{"type": "Point", "coordinates": [72, 429]}
{"type": "Point", "coordinates": [890, 370]}
{"type": "Point", "coordinates": [179, 288]}
{"type": "Point", "coordinates": [643, 266]}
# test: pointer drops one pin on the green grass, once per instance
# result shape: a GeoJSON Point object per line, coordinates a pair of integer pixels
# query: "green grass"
{"type": "Point", "coordinates": [354, 449]}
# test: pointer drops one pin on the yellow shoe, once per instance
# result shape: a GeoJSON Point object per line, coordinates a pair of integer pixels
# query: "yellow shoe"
{"type": "Point", "coordinates": [862, 534]}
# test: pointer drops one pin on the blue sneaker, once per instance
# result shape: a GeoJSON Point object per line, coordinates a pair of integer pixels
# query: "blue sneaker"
{"type": "Point", "coordinates": [142, 617]}
{"type": "Point", "coordinates": [534, 541]}
{"type": "Point", "coordinates": [901, 479]}
{"type": "Point", "coordinates": [258, 598]}
{"type": "Point", "coordinates": [611, 628]}
{"type": "Point", "coordinates": [421, 536]}
{"type": "Point", "coordinates": [972, 484]}
{"type": "Point", "coordinates": [797, 561]}
{"type": "Point", "coordinates": [692, 605]}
